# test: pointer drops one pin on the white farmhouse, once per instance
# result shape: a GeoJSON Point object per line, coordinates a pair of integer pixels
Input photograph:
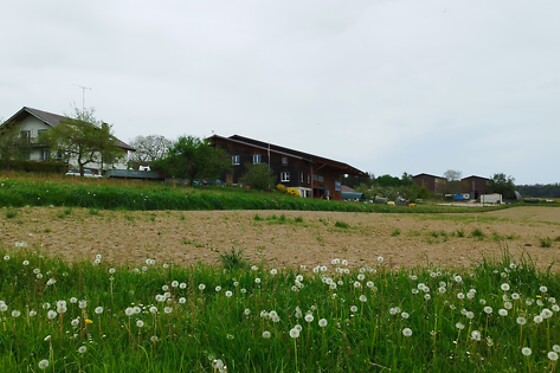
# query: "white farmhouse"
{"type": "Point", "coordinates": [33, 122]}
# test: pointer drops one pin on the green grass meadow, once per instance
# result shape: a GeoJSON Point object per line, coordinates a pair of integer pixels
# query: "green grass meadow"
{"type": "Point", "coordinates": [94, 317]}
{"type": "Point", "coordinates": [18, 191]}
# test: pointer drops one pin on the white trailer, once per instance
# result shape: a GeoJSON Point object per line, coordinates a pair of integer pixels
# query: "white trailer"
{"type": "Point", "coordinates": [494, 199]}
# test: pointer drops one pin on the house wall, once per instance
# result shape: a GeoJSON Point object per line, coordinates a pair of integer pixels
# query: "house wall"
{"type": "Point", "coordinates": [311, 180]}
{"type": "Point", "coordinates": [33, 125]}
{"type": "Point", "coordinates": [36, 153]}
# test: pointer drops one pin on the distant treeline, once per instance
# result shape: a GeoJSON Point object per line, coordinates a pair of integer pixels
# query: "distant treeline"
{"type": "Point", "coordinates": [539, 190]}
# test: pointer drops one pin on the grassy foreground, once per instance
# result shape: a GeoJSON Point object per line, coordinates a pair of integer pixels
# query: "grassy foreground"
{"type": "Point", "coordinates": [90, 316]}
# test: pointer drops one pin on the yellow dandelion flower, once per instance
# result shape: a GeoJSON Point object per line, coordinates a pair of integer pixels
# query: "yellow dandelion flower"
{"type": "Point", "coordinates": [88, 321]}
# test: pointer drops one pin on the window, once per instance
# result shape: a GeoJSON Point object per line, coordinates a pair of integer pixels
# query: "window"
{"type": "Point", "coordinates": [235, 160]}
{"type": "Point", "coordinates": [45, 155]}
{"type": "Point", "coordinates": [318, 178]}
{"type": "Point", "coordinates": [301, 177]}
{"type": "Point", "coordinates": [284, 161]}
{"type": "Point", "coordinates": [41, 132]}
{"type": "Point", "coordinates": [25, 135]}
{"type": "Point", "coordinates": [285, 177]}
{"type": "Point", "coordinates": [257, 158]}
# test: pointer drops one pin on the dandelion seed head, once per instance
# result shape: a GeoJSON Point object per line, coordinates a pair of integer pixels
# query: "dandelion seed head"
{"type": "Point", "coordinates": [266, 334]}
{"type": "Point", "coordinates": [546, 313]}
{"type": "Point", "coordinates": [552, 356]}
{"type": "Point", "coordinates": [475, 335]}
{"type": "Point", "coordinates": [294, 333]}
{"type": "Point", "coordinates": [521, 320]}
{"type": "Point", "coordinates": [51, 314]}
{"type": "Point", "coordinates": [505, 286]}
{"type": "Point", "coordinates": [407, 332]}
{"type": "Point", "coordinates": [82, 349]}
{"type": "Point", "coordinates": [43, 364]}
{"type": "Point", "coordinates": [526, 351]}
{"type": "Point", "coordinates": [309, 318]}
{"type": "Point", "coordinates": [502, 312]}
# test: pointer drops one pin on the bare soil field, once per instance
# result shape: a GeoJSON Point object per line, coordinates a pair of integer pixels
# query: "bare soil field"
{"type": "Point", "coordinates": [286, 238]}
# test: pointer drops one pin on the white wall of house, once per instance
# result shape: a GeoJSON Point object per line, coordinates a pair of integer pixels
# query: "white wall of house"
{"type": "Point", "coordinates": [34, 126]}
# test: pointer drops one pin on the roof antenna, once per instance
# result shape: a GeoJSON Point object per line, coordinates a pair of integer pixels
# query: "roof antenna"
{"type": "Point", "coordinates": [83, 95]}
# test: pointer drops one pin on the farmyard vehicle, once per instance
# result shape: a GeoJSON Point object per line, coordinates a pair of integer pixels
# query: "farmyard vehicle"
{"type": "Point", "coordinates": [87, 173]}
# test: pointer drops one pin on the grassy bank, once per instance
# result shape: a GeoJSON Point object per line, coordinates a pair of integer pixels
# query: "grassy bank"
{"type": "Point", "coordinates": [110, 194]}
{"type": "Point", "coordinates": [158, 317]}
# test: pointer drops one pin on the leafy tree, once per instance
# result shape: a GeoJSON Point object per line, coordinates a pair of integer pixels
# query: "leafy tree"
{"type": "Point", "coordinates": [192, 158]}
{"type": "Point", "coordinates": [12, 146]}
{"type": "Point", "coordinates": [150, 148]}
{"type": "Point", "coordinates": [84, 139]}
{"type": "Point", "coordinates": [500, 183]}
{"type": "Point", "coordinates": [387, 181]}
{"type": "Point", "coordinates": [406, 179]}
{"type": "Point", "coordinates": [259, 176]}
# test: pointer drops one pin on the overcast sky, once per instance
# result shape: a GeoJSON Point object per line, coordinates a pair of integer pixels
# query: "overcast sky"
{"type": "Point", "coordinates": [387, 86]}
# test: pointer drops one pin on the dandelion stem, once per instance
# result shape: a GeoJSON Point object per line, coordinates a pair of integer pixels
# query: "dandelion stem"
{"type": "Point", "coordinates": [295, 352]}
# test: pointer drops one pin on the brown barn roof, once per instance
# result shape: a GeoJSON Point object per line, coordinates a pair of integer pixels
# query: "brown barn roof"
{"type": "Point", "coordinates": [292, 153]}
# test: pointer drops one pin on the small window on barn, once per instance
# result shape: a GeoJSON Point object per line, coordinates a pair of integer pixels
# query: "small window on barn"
{"type": "Point", "coordinates": [257, 158]}
{"type": "Point", "coordinates": [285, 177]}
{"type": "Point", "coordinates": [301, 177]}
{"type": "Point", "coordinates": [235, 160]}
{"type": "Point", "coordinates": [284, 161]}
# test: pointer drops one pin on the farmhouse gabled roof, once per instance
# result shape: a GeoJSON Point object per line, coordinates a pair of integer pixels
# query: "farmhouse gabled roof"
{"type": "Point", "coordinates": [476, 177]}
{"type": "Point", "coordinates": [343, 167]}
{"type": "Point", "coordinates": [51, 120]}
{"type": "Point", "coordinates": [429, 175]}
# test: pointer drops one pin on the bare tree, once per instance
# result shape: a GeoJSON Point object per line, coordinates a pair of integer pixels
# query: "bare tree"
{"type": "Point", "coordinates": [452, 175]}
{"type": "Point", "coordinates": [150, 148]}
